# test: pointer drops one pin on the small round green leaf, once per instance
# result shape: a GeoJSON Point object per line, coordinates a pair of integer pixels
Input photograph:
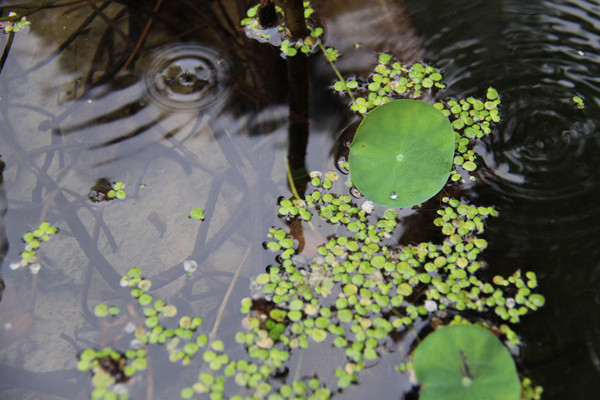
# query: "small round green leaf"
{"type": "Point", "coordinates": [402, 153]}
{"type": "Point", "coordinates": [465, 362]}
{"type": "Point", "coordinates": [197, 213]}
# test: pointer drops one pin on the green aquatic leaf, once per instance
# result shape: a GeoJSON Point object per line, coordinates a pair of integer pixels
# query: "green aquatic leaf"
{"type": "Point", "coordinates": [465, 362]}
{"type": "Point", "coordinates": [197, 213]}
{"type": "Point", "coordinates": [402, 153]}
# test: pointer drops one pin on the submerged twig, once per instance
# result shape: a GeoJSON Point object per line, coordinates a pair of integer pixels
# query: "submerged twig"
{"type": "Point", "coordinates": [88, 272]}
{"type": "Point", "coordinates": [213, 332]}
{"type": "Point", "coordinates": [110, 23]}
{"type": "Point", "coordinates": [138, 45]}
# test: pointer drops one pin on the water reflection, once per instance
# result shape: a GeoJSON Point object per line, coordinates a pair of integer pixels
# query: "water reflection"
{"type": "Point", "coordinates": [188, 77]}
{"type": "Point", "coordinates": [227, 158]}
{"type": "Point", "coordinates": [542, 162]}
{"type": "Point", "coordinates": [3, 241]}
{"type": "Point", "coordinates": [69, 116]}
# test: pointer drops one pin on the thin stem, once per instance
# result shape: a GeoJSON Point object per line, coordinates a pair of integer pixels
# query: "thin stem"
{"type": "Point", "coordinates": [336, 70]}
{"type": "Point", "coordinates": [213, 332]}
{"type": "Point", "coordinates": [293, 188]}
{"type": "Point", "coordinates": [291, 180]}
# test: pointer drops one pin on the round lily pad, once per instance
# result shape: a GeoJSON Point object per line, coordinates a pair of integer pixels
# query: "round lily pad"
{"type": "Point", "coordinates": [465, 362]}
{"type": "Point", "coordinates": [402, 153]}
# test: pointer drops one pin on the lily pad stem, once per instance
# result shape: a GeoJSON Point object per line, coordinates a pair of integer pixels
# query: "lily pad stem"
{"type": "Point", "coordinates": [291, 180]}
{"type": "Point", "coordinates": [293, 187]}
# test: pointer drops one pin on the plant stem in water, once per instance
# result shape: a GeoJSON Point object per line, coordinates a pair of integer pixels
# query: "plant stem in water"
{"type": "Point", "coordinates": [294, 18]}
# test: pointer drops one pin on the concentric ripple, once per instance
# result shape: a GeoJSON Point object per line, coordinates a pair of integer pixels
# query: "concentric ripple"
{"type": "Point", "coordinates": [542, 162]}
{"type": "Point", "coordinates": [188, 77]}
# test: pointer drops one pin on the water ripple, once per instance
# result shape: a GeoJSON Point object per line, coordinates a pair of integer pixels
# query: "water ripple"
{"type": "Point", "coordinates": [188, 77]}
{"type": "Point", "coordinates": [542, 161]}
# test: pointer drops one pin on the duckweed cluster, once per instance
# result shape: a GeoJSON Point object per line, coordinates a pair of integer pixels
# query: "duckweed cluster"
{"type": "Point", "coordinates": [355, 291]}
{"type": "Point", "coordinates": [13, 23]}
{"type": "Point", "coordinates": [471, 119]}
{"type": "Point", "coordinates": [33, 240]}
{"type": "Point", "coordinates": [359, 288]}
{"type": "Point", "coordinates": [279, 36]}
{"type": "Point", "coordinates": [579, 102]}
{"type": "Point", "coordinates": [390, 80]}
{"type": "Point", "coordinates": [117, 191]}
{"type": "Point", "coordinates": [352, 289]}
{"type": "Point", "coordinates": [111, 368]}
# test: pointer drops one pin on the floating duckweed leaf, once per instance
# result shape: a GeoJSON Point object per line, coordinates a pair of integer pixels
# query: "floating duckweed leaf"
{"type": "Point", "coordinates": [101, 310]}
{"type": "Point", "coordinates": [197, 213]}
{"type": "Point", "coordinates": [319, 335]}
{"type": "Point", "coordinates": [465, 362]}
{"type": "Point", "coordinates": [145, 299]}
{"type": "Point", "coordinates": [402, 153]}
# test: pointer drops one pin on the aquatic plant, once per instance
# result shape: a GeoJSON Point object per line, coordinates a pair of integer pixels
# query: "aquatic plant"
{"type": "Point", "coordinates": [390, 80]}
{"type": "Point", "coordinates": [111, 369]}
{"type": "Point", "coordinates": [280, 36]}
{"type": "Point", "coordinates": [463, 362]}
{"type": "Point", "coordinates": [103, 190]}
{"type": "Point", "coordinates": [13, 23]}
{"type": "Point", "coordinates": [197, 213]}
{"type": "Point", "coordinates": [340, 277]}
{"type": "Point", "coordinates": [412, 142]}
{"type": "Point", "coordinates": [117, 191]}
{"type": "Point", "coordinates": [356, 290]}
{"type": "Point", "coordinates": [33, 240]}
{"type": "Point", "coordinates": [471, 119]}
{"type": "Point", "coordinates": [579, 102]}
{"type": "Point", "coordinates": [102, 310]}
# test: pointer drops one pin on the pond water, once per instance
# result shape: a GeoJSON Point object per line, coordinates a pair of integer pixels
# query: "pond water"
{"type": "Point", "coordinates": [198, 116]}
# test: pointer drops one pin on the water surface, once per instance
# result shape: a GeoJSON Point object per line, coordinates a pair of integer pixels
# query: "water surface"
{"type": "Point", "coordinates": [200, 119]}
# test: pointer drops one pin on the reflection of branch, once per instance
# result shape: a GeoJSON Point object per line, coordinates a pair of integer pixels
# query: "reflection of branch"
{"type": "Point", "coordinates": [110, 23]}
{"type": "Point", "coordinates": [298, 128]}
{"type": "Point", "coordinates": [213, 332]}
{"type": "Point", "coordinates": [30, 10]}
{"type": "Point", "coordinates": [11, 37]}
{"type": "Point", "coordinates": [80, 233]}
{"type": "Point", "coordinates": [142, 37]}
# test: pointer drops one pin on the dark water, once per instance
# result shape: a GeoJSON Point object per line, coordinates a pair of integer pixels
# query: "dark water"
{"type": "Point", "coordinates": [70, 116]}
{"type": "Point", "coordinates": [542, 164]}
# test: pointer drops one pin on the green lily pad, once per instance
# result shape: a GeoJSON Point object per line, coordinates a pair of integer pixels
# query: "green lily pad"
{"type": "Point", "coordinates": [402, 153]}
{"type": "Point", "coordinates": [465, 362]}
